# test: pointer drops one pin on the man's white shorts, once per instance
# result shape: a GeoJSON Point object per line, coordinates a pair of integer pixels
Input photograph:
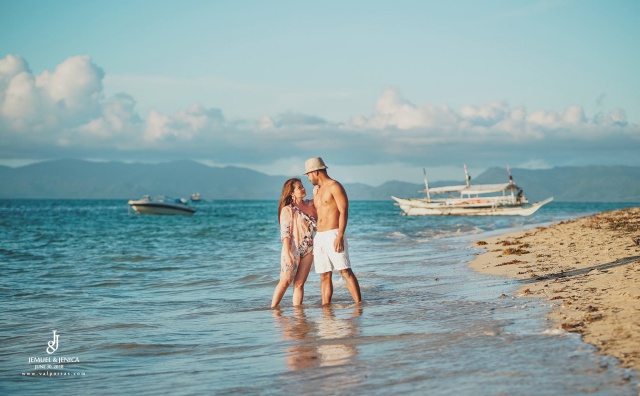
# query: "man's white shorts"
{"type": "Point", "coordinates": [325, 257]}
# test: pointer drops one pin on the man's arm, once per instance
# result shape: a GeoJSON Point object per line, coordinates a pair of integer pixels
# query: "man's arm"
{"type": "Point", "coordinates": [342, 204]}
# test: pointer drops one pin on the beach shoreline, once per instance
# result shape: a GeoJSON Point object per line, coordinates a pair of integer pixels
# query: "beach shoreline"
{"type": "Point", "coordinates": [587, 269]}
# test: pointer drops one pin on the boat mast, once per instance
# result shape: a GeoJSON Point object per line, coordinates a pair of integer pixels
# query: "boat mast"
{"type": "Point", "coordinates": [467, 181]}
{"type": "Point", "coordinates": [426, 184]}
{"type": "Point", "coordinates": [467, 178]}
{"type": "Point", "coordinates": [510, 182]}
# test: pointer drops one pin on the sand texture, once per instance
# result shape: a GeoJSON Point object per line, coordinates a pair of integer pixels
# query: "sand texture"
{"type": "Point", "coordinates": [588, 269]}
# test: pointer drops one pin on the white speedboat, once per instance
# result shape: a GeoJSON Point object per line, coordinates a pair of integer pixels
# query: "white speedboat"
{"type": "Point", "coordinates": [195, 197]}
{"type": "Point", "coordinates": [161, 205]}
{"type": "Point", "coordinates": [505, 199]}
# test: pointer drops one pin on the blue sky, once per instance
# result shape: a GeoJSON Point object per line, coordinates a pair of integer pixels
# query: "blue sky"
{"type": "Point", "coordinates": [379, 89]}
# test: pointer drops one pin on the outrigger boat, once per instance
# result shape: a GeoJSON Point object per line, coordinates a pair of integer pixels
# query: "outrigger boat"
{"type": "Point", "coordinates": [506, 199]}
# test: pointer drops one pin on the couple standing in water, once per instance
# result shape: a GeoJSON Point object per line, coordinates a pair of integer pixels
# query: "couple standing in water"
{"type": "Point", "coordinates": [302, 245]}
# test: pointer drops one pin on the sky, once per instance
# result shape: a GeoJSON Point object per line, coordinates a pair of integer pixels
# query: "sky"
{"type": "Point", "coordinates": [378, 89]}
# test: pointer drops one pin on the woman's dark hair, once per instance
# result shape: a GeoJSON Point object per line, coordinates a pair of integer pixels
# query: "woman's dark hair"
{"type": "Point", "coordinates": [287, 190]}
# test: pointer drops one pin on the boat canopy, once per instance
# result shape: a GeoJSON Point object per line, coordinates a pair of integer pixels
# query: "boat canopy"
{"type": "Point", "coordinates": [489, 188]}
{"type": "Point", "coordinates": [474, 189]}
{"type": "Point", "coordinates": [446, 189]}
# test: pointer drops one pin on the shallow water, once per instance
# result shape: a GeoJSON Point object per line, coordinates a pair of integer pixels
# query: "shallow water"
{"type": "Point", "coordinates": [151, 304]}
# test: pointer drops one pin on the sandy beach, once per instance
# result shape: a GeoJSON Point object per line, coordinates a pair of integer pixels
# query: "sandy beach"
{"type": "Point", "coordinates": [587, 269]}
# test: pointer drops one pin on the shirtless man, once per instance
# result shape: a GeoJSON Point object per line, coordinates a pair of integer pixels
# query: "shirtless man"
{"type": "Point", "coordinates": [330, 248]}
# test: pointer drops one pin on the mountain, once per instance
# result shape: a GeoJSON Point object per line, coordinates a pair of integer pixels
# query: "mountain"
{"type": "Point", "coordinates": [115, 180]}
{"type": "Point", "coordinates": [83, 179]}
{"type": "Point", "coordinates": [573, 184]}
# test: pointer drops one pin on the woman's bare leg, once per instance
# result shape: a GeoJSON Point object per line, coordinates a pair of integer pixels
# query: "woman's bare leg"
{"type": "Point", "coordinates": [281, 288]}
{"type": "Point", "coordinates": [301, 278]}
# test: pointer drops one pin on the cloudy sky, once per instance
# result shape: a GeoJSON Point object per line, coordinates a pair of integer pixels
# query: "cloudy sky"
{"type": "Point", "coordinates": [379, 89]}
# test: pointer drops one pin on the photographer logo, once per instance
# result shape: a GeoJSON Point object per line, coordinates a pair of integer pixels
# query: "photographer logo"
{"type": "Point", "coordinates": [53, 345]}
{"type": "Point", "coordinates": [53, 365]}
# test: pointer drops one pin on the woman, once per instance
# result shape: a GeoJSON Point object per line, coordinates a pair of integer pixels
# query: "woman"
{"type": "Point", "coordinates": [297, 218]}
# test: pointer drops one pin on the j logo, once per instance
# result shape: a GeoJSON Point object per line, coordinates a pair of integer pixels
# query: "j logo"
{"type": "Point", "coordinates": [53, 345]}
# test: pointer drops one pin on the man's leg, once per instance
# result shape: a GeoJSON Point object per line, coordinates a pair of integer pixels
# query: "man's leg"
{"type": "Point", "coordinates": [352, 284]}
{"type": "Point", "coordinates": [326, 287]}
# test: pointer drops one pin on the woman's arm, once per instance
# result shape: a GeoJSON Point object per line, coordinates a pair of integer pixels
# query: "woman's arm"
{"type": "Point", "coordinates": [286, 218]}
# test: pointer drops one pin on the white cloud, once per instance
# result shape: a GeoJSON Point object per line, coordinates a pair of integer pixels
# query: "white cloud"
{"type": "Point", "coordinates": [618, 117]}
{"type": "Point", "coordinates": [66, 98]}
{"type": "Point", "coordinates": [118, 118]}
{"type": "Point", "coordinates": [21, 105]}
{"type": "Point", "coordinates": [574, 115]}
{"type": "Point", "coordinates": [66, 109]}
{"type": "Point", "coordinates": [483, 123]}
{"type": "Point", "coordinates": [75, 84]}
{"type": "Point", "coordinates": [183, 125]}
{"type": "Point", "coordinates": [487, 115]}
{"type": "Point", "coordinates": [392, 111]}
{"type": "Point", "coordinates": [10, 66]}
{"type": "Point", "coordinates": [266, 123]}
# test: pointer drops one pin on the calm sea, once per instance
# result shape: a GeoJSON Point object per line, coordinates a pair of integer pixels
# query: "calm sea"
{"type": "Point", "coordinates": [151, 305]}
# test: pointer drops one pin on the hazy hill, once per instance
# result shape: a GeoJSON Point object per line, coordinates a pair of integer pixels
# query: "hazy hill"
{"type": "Point", "coordinates": [83, 179]}
{"type": "Point", "coordinates": [574, 184]}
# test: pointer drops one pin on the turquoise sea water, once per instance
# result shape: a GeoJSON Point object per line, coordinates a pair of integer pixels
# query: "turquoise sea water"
{"type": "Point", "coordinates": [176, 305]}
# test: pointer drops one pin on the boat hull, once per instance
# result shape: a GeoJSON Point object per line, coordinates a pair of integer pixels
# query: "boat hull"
{"type": "Point", "coordinates": [163, 208]}
{"type": "Point", "coordinates": [421, 207]}
{"type": "Point", "coordinates": [145, 209]}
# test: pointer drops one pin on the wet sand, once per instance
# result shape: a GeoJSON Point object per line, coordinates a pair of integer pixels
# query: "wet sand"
{"type": "Point", "coordinates": [588, 269]}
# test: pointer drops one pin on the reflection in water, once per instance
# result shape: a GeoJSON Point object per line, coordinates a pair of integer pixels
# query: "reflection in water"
{"type": "Point", "coordinates": [326, 341]}
{"type": "Point", "coordinates": [338, 333]}
{"type": "Point", "coordinates": [300, 354]}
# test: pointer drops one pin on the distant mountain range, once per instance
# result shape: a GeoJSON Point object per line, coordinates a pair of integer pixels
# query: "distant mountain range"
{"type": "Point", "coordinates": [114, 180]}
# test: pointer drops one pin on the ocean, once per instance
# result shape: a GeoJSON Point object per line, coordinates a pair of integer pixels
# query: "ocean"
{"type": "Point", "coordinates": [97, 300]}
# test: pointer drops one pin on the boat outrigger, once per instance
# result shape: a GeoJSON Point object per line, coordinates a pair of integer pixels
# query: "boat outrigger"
{"type": "Point", "coordinates": [506, 199]}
